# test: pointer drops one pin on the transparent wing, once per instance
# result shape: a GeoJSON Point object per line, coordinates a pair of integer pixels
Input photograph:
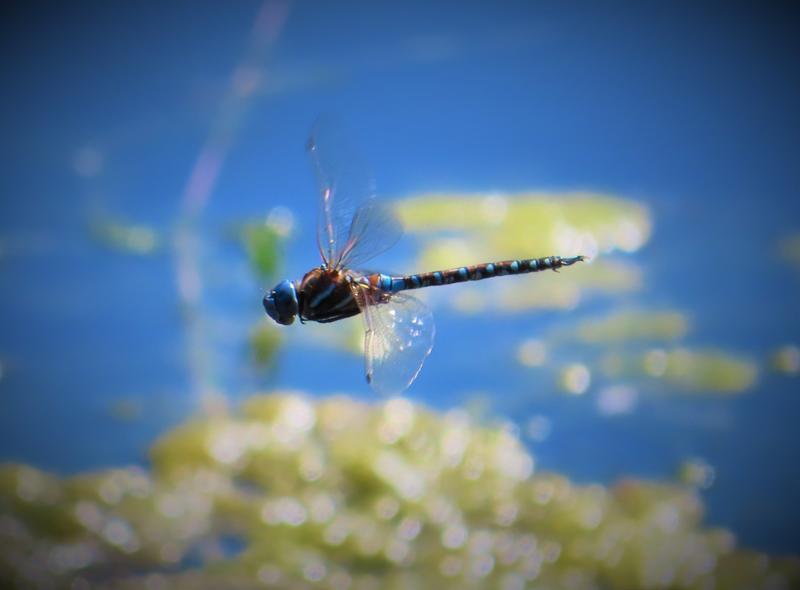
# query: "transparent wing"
{"type": "Point", "coordinates": [398, 337]}
{"type": "Point", "coordinates": [353, 225]}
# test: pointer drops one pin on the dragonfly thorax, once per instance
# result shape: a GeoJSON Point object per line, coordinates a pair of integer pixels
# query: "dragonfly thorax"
{"type": "Point", "coordinates": [326, 295]}
{"type": "Point", "coordinates": [281, 303]}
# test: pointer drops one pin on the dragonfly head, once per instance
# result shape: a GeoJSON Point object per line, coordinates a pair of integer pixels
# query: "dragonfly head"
{"type": "Point", "coordinates": [281, 303]}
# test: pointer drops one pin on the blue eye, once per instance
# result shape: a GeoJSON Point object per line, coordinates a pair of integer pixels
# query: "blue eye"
{"type": "Point", "coordinates": [281, 303]}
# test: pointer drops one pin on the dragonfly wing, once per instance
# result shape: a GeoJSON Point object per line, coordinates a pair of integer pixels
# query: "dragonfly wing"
{"type": "Point", "coordinates": [398, 338]}
{"type": "Point", "coordinates": [353, 224]}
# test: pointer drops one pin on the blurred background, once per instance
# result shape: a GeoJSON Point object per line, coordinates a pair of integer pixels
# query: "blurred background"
{"type": "Point", "coordinates": [625, 423]}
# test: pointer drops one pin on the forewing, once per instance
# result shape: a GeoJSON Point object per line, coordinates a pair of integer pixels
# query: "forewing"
{"type": "Point", "coordinates": [353, 224]}
{"type": "Point", "coordinates": [398, 338]}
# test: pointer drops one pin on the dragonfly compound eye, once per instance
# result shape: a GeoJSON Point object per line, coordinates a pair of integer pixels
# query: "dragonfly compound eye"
{"type": "Point", "coordinates": [281, 303]}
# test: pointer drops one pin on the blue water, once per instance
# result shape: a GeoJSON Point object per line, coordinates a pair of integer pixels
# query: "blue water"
{"type": "Point", "coordinates": [689, 109]}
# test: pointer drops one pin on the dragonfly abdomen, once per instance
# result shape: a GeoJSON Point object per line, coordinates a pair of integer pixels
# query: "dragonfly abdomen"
{"type": "Point", "coordinates": [471, 273]}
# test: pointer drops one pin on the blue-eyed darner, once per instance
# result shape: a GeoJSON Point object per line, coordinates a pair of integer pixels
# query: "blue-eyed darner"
{"type": "Point", "coordinates": [354, 226]}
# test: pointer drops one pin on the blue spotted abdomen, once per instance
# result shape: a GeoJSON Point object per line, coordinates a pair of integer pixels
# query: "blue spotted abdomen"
{"type": "Point", "coordinates": [470, 273]}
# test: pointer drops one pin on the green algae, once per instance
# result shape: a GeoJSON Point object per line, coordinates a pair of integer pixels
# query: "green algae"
{"type": "Point", "coordinates": [633, 325]}
{"type": "Point", "coordinates": [689, 371]}
{"type": "Point", "coordinates": [262, 244]}
{"type": "Point", "coordinates": [123, 236]}
{"type": "Point", "coordinates": [265, 340]}
{"type": "Point", "coordinates": [789, 248]}
{"type": "Point", "coordinates": [339, 494]}
{"type": "Point", "coordinates": [786, 360]}
{"type": "Point", "coordinates": [696, 472]}
{"type": "Point", "coordinates": [536, 221]}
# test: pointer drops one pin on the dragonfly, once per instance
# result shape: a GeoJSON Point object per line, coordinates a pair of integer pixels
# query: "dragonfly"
{"type": "Point", "coordinates": [354, 226]}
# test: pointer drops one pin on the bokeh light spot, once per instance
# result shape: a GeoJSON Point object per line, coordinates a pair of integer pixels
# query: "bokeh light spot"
{"type": "Point", "coordinates": [576, 379]}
